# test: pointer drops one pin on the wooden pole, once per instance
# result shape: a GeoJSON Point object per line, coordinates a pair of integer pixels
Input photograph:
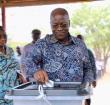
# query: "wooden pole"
{"type": "Point", "coordinates": [3, 14]}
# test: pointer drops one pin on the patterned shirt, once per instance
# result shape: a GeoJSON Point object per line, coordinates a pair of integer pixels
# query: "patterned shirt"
{"type": "Point", "coordinates": [64, 62]}
{"type": "Point", "coordinates": [92, 61]}
{"type": "Point", "coordinates": [8, 74]}
{"type": "Point", "coordinates": [26, 50]}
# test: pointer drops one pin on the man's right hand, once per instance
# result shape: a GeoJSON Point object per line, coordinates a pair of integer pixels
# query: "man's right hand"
{"type": "Point", "coordinates": [41, 76]}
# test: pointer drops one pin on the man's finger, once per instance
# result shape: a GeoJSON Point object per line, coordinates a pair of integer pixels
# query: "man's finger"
{"type": "Point", "coordinates": [41, 77]}
{"type": "Point", "coordinates": [45, 76]}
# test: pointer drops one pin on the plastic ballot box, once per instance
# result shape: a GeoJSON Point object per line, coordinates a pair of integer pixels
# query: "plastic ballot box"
{"type": "Point", "coordinates": [62, 93]}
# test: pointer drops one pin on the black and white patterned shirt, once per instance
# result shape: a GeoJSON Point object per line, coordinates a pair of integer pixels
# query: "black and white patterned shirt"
{"type": "Point", "coordinates": [69, 63]}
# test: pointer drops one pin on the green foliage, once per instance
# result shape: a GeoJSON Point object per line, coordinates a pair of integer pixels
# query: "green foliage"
{"type": "Point", "coordinates": [14, 44]}
{"type": "Point", "coordinates": [95, 23]}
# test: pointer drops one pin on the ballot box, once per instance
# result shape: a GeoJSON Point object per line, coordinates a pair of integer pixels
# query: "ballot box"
{"type": "Point", "coordinates": [62, 93]}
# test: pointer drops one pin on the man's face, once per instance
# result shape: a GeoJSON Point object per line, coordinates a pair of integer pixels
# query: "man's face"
{"type": "Point", "coordinates": [35, 36]}
{"type": "Point", "coordinates": [2, 39]}
{"type": "Point", "coordinates": [18, 50]}
{"type": "Point", "coordinates": [60, 26]}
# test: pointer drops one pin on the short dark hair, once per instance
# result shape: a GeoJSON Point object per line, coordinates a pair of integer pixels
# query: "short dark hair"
{"type": "Point", "coordinates": [36, 31]}
{"type": "Point", "coordinates": [80, 37]}
{"type": "Point", "coordinates": [17, 47]}
{"type": "Point", "coordinates": [2, 30]}
{"type": "Point", "coordinates": [61, 11]}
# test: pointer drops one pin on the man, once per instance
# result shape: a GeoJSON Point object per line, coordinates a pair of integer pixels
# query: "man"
{"type": "Point", "coordinates": [35, 36]}
{"type": "Point", "coordinates": [59, 57]}
{"type": "Point", "coordinates": [18, 51]}
{"type": "Point", "coordinates": [18, 54]}
{"type": "Point", "coordinates": [92, 61]}
{"type": "Point", "coordinates": [28, 48]}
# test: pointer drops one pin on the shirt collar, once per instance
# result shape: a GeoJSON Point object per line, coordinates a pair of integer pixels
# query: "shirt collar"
{"type": "Point", "coordinates": [54, 40]}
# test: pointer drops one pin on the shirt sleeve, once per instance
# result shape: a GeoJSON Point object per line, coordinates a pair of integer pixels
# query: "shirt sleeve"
{"type": "Point", "coordinates": [92, 61]}
{"type": "Point", "coordinates": [87, 68]}
{"type": "Point", "coordinates": [10, 74]}
{"type": "Point", "coordinates": [14, 62]}
{"type": "Point", "coordinates": [31, 60]}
